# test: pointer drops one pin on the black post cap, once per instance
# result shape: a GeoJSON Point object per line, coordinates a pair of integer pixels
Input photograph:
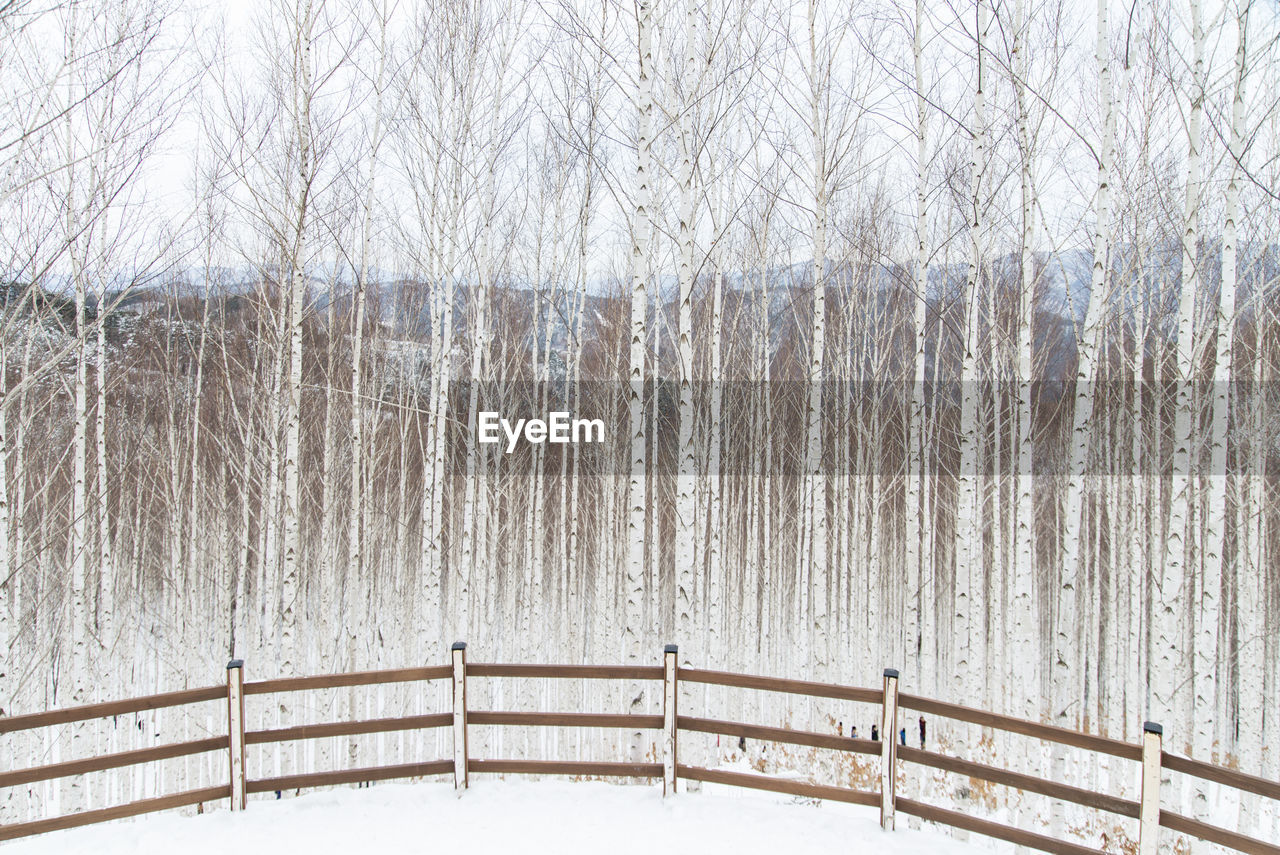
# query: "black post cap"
{"type": "Point", "coordinates": [235, 663]}
{"type": "Point", "coordinates": [891, 672]}
{"type": "Point", "coordinates": [459, 645]}
{"type": "Point", "coordinates": [1152, 727]}
{"type": "Point", "coordinates": [670, 648]}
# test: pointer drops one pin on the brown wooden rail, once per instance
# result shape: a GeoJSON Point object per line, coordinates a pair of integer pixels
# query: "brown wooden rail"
{"type": "Point", "coordinates": [533, 719]}
{"type": "Point", "coordinates": [1047, 732]}
{"type": "Point", "coordinates": [778, 684]}
{"type": "Point", "coordinates": [347, 728]}
{"type": "Point", "coordinates": [89, 817]}
{"type": "Point", "coordinates": [1030, 784]}
{"type": "Point", "coordinates": [351, 776]}
{"type": "Point", "coordinates": [778, 734]}
{"type": "Point", "coordinates": [357, 678]}
{"type": "Point", "coordinates": [1213, 834]}
{"type": "Point", "coordinates": [1151, 818]}
{"type": "Point", "coordinates": [1221, 775]}
{"type": "Point", "coordinates": [568, 672]}
{"type": "Point", "coordinates": [563, 767]}
{"type": "Point", "coordinates": [13, 723]}
{"type": "Point", "coordinates": [111, 761]}
{"type": "Point", "coordinates": [956, 819]}
{"type": "Point", "coordinates": [779, 785]}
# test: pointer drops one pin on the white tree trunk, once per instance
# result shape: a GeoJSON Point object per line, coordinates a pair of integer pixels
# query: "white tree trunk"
{"type": "Point", "coordinates": [356, 519]}
{"type": "Point", "coordinates": [1251, 646]}
{"type": "Point", "coordinates": [970, 622]}
{"type": "Point", "coordinates": [717, 623]}
{"type": "Point", "coordinates": [106, 565]}
{"type": "Point", "coordinates": [637, 492]}
{"type": "Point", "coordinates": [292, 545]}
{"type": "Point", "coordinates": [465, 572]}
{"type": "Point", "coordinates": [1209, 618]}
{"type": "Point", "coordinates": [432, 511]}
{"type": "Point", "coordinates": [1067, 689]}
{"type": "Point", "coordinates": [1170, 619]}
{"type": "Point", "coordinates": [79, 599]}
{"type": "Point", "coordinates": [814, 580]}
{"type": "Point", "coordinates": [1026, 619]}
{"type": "Point", "coordinates": [686, 476]}
{"type": "Point", "coordinates": [8, 614]}
{"type": "Point", "coordinates": [917, 565]}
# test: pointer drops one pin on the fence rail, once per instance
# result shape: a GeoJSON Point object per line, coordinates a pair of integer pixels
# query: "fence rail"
{"type": "Point", "coordinates": [111, 708]}
{"type": "Point", "coordinates": [1046, 732]}
{"type": "Point", "coordinates": [1150, 756]}
{"type": "Point", "coordinates": [356, 678]}
{"type": "Point", "coordinates": [778, 684]}
{"type": "Point", "coordinates": [1017, 780]}
{"type": "Point", "coordinates": [347, 728]}
{"type": "Point", "coordinates": [777, 734]}
{"type": "Point", "coordinates": [349, 776]}
{"type": "Point", "coordinates": [986, 827]}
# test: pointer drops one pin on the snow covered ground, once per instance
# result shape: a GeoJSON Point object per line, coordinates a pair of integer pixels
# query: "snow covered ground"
{"type": "Point", "coordinates": [515, 816]}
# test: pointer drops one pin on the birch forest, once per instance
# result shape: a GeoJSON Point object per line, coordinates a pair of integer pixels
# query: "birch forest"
{"type": "Point", "coordinates": [940, 336]}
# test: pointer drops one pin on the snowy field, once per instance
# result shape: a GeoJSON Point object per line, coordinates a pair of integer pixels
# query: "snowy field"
{"type": "Point", "coordinates": [495, 816]}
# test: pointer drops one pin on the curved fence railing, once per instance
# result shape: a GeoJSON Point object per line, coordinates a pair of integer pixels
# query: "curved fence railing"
{"type": "Point", "coordinates": [894, 758]}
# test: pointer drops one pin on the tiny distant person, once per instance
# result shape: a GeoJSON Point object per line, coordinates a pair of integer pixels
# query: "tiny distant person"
{"type": "Point", "coordinates": [840, 728]}
{"type": "Point", "coordinates": [853, 731]}
{"type": "Point", "coordinates": [902, 736]}
{"type": "Point", "coordinates": [922, 732]}
{"type": "Point", "coordinates": [875, 733]}
{"type": "Point", "coordinates": [742, 744]}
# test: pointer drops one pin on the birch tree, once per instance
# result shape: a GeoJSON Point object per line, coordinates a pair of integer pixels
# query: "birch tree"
{"type": "Point", "coordinates": [970, 582]}
{"type": "Point", "coordinates": [1066, 670]}
{"type": "Point", "coordinates": [636, 432]}
{"type": "Point", "coordinates": [1171, 627]}
{"type": "Point", "coordinates": [686, 558]}
{"type": "Point", "coordinates": [1026, 619]}
{"type": "Point", "coordinates": [378, 32]}
{"type": "Point", "coordinates": [918, 567]}
{"type": "Point", "coordinates": [831, 130]}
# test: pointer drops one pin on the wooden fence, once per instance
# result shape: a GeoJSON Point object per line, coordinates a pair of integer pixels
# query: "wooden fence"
{"type": "Point", "coordinates": [893, 758]}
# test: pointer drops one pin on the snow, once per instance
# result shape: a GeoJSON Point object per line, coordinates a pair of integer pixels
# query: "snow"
{"type": "Point", "coordinates": [506, 816]}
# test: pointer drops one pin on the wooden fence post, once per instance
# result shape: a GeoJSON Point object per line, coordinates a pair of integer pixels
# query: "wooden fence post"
{"type": "Point", "coordinates": [669, 720]}
{"type": "Point", "coordinates": [1149, 823]}
{"type": "Point", "coordinates": [459, 716]}
{"type": "Point", "coordinates": [888, 748]}
{"type": "Point", "coordinates": [235, 731]}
